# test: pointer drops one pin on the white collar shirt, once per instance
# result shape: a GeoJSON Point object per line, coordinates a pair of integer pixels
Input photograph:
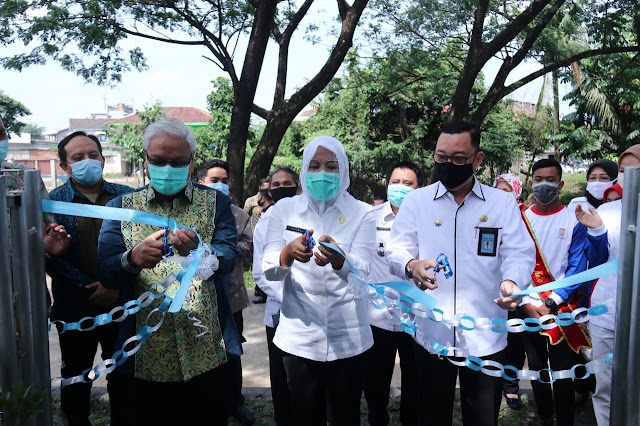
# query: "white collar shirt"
{"type": "Point", "coordinates": [485, 241]}
{"type": "Point", "coordinates": [320, 320]}
{"type": "Point", "coordinates": [380, 265]}
{"type": "Point", "coordinates": [273, 289]}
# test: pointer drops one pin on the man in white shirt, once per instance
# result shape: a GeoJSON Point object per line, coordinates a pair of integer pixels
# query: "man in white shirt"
{"type": "Point", "coordinates": [388, 337]}
{"type": "Point", "coordinates": [283, 183]}
{"type": "Point", "coordinates": [480, 229]}
{"type": "Point", "coordinates": [323, 329]}
{"type": "Point", "coordinates": [561, 245]}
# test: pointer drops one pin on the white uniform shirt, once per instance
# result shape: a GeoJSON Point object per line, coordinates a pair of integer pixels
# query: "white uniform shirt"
{"type": "Point", "coordinates": [273, 289]}
{"type": "Point", "coordinates": [555, 234]}
{"type": "Point", "coordinates": [579, 201]}
{"type": "Point", "coordinates": [380, 265]}
{"type": "Point", "coordinates": [605, 291]}
{"type": "Point", "coordinates": [430, 222]}
{"type": "Point", "coordinates": [319, 320]}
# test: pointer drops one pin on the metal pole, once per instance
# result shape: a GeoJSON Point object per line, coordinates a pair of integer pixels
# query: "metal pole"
{"type": "Point", "coordinates": [37, 279]}
{"type": "Point", "coordinates": [8, 346]}
{"type": "Point", "coordinates": [22, 287]}
{"type": "Point", "coordinates": [624, 388]}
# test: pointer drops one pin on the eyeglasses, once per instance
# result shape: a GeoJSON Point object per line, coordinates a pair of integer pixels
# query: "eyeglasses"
{"type": "Point", "coordinates": [327, 165]}
{"type": "Point", "coordinates": [598, 178]}
{"type": "Point", "coordinates": [160, 162]}
{"type": "Point", "coordinates": [458, 160]}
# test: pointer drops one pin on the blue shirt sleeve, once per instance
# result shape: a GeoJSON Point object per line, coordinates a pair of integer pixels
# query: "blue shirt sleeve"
{"type": "Point", "coordinates": [577, 261]}
{"type": "Point", "coordinates": [111, 248]}
{"type": "Point", "coordinates": [225, 237]}
{"type": "Point", "coordinates": [597, 249]}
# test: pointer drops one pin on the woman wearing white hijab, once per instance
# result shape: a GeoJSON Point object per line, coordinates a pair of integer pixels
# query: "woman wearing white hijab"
{"type": "Point", "coordinates": [322, 329]}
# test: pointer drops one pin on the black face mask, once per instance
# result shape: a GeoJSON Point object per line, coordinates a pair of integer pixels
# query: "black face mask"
{"type": "Point", "coordinates": [453, 176]}
{"type": "Point", "coordinates": [283, 192]}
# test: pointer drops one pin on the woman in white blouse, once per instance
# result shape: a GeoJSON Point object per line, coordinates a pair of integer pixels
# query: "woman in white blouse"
{"type": "Point", "coordinates": [322, 329]}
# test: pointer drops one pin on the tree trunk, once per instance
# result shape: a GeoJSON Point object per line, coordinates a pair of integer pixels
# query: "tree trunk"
{"type": "Point", "coordinates": [244, 94]}
{"type": "Point", "coordinates": [556, 114]}
{"type": "Point", "coordinates": [283, 112]}
{"type": "Point", "coordinates": [267, 148]}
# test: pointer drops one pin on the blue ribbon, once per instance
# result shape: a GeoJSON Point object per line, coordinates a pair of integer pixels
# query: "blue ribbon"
{"type": "Point", "coordinates": [407, 289]}
{"type": "Point", "coordinates": [583, 277]}
{"type": "Point", "coordinates": [135, 216]}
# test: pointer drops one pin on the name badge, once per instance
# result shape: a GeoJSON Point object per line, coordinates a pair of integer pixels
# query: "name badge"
{"type": "Point", "coordinates": [296, 229]}
{"type": "Point", "coordinates": [488, 242]}
{"type": "Point", "coordinates": [382, 228]}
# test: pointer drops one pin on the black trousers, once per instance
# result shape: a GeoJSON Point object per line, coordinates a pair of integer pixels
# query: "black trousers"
{"type": "Point", "coordinates": [479, 393]}
{"type": "Point", "coordinates": [541, 354]}
{"type": "Point", "coordinates": [278, 377]}
{"type": "Point", "coordinates": [237, 399]}
{"type": "Point", "coordinates": [322, 391]}
{"type": "Point", "coordinates": [381, 360]}
{"type": "Point", "coordinates": [203, 400]}
{"type": "Point", "coordinates": [515, 354]}
{"type": "Point", "coordinates": [78, 349]}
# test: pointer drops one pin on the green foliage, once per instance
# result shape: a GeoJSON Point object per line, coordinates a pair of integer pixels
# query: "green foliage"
{"type": "Point", "coordinates": [10, 111]}
{"type": "Point", "coordinates": [37, 132]}
{"type": "Point", "coordinates": [212, 138]}
{"type": "Point", "coordinates": [607, 102]}
{"type": "Point", "coordinates": [22, 403]}
{"type": "Point", "coordinates": [130, 135]}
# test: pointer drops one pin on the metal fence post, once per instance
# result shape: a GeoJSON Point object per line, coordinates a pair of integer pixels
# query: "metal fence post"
{"type": "Point", "coordinates": [37, 280]}
{"type": "Point", "coordinates": [8, 347]}
{"type": "Point", "coordinates": [625, 388]}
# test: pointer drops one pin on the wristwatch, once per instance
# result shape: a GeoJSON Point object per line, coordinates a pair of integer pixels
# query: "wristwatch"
{"type": "Point", "coordinates": [407, 270]}
{"type": "Point", "coordinates": [551, 304]}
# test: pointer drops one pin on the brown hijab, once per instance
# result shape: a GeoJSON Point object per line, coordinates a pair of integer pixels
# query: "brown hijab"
{"type": "Point", "coordinates": [632, 150]}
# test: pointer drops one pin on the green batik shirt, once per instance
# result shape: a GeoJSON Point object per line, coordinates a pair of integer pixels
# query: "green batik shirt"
{"type": "Point", "coordinates": [173, 353]}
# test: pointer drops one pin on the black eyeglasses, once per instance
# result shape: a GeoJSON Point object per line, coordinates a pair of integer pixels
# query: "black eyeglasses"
{"type": "Point", "coordinates": [458, 160]}
{"type": "Point", "coordinates": [160, 162]}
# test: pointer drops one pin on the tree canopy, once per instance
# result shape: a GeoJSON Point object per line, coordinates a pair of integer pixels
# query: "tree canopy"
{"type": "Point", "coordinates": [11, 110]}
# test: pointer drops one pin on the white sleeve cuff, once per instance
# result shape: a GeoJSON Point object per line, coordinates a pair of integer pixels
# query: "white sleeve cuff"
{"type": "Point", "coordinates": [556, 298]}
{"type": "Point", "coordinates": [597, 231]}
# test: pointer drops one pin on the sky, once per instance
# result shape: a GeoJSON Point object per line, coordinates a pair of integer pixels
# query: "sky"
{"type": "Point", "coordinates": [177, 76]}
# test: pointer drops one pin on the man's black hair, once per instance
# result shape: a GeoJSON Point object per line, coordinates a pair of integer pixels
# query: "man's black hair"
{"type": "Point", "coordinates": [211, 164]}
{"type": "Point", "coordinates": [294, 175]}
{"type": "Point", "coordinates": [265, 194]}
{"type": "Point", "coordinates": [380, 196]}
{"type": "Point", "coordinates": [407, 165]}
{"type": "Point", "coordinates": [263, 181]}
{"type": "Point", "coordinates": [547, 162]}
{"type": "Point", "coordinates": [464, 126]}
{"type": "Point", "coordinates": [62, 153]}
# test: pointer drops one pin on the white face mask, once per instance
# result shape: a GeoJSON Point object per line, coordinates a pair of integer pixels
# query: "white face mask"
{"type": "Point", "coordinates": [597, 188]}
{"type": "Point", "coordinates": [621, 179]}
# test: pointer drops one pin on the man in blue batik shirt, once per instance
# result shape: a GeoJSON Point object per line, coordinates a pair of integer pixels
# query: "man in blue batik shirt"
{"type": "Point", "coordinates": [77, 289]}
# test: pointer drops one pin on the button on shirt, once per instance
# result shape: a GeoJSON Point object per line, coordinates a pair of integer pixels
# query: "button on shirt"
{"type": "Point", "coordinates": [273, 289]}
{"type": "Point", "coordinates": [319, 319]}
{"type": "Point", "coordinates": [430, 222]}
{"type": "Point", "coordinates": [380, 266]}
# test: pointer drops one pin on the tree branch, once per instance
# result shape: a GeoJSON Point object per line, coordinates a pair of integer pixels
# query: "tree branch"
{"type": "Point", "coordinates": [515, 27]}
{"type": "Point", "coordinates": [343, 8]}
{"type": "Point", "coordinates": [260, 112]}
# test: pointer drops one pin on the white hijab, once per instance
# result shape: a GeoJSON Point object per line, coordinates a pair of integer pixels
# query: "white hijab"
{"type": "Point", "coordinates": [333, 145]}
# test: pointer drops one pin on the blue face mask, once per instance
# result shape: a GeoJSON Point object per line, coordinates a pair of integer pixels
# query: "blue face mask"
{"type": "Point", "coordinates": [397, 192]}
{"type": "Point", "coordinates": [4, 149]}
{"type": "Point", "coordinates": [222, 187]}
{"type": "Point", "coordinates": [168, 180]}
{"type": "Point", "coordinates": [86, 172]}
{"type": "Point", "coordinates": [321, 185]}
